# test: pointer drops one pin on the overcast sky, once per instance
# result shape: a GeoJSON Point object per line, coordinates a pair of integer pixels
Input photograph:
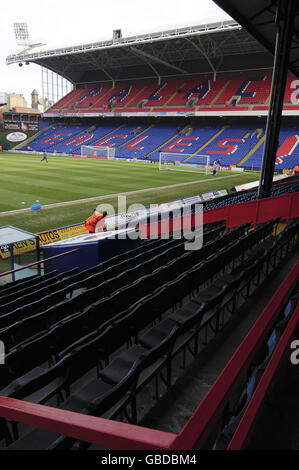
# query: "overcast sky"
{"type": "Point", "coordinates": [63, 22]}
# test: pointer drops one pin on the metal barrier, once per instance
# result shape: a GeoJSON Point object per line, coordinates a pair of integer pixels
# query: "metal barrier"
{"type": "Point", "coordinates": [38, 263]}
{"type": "Point", "coordinates": [197, 429]}
{"type": "Point", "coordinates": [246, 425]}
{"type": "Point", "coordinates": [117, 435]}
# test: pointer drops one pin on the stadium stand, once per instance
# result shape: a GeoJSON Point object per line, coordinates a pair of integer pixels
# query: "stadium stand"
{"type": "Point", "coordinates": [231, 146]}
{"type": "Point", "coordinates": [287, 153]}
{"type": "Point", "coordinates": [70, 98]}
{"type": "Point", "coordinates": [88, 344]}
{"type": "Point", "coordinates": [278, 348]}
{"type": "Point", "coordinates": [238, 145]}
{"type": "Point", "coordinates": [230, 399]}
{"type": "Point", "coordinates": [230, 91]}
{"type": "Point", "coordinates": [246, 196]}
{"type": "Point", "coordinates": [48, 140]}
{"type": "Point", "coordinates": [233, 269]}
{"type": "Point", "coordinates": [203, 91]}
{"type": "Point", "coordinates": [291, 90]}
{"type": "Point", "coordinates": [115, 386]}
{"type": "Point", "coordinates": [246, 89]}
{"type": "Point", "coordinates": [147, 144]}
{"type": "Point", "coordinates": [92, 96]}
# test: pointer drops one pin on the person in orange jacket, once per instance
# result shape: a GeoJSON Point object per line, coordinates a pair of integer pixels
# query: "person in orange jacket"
{"type": "Point", "coordinates": [91, 222]}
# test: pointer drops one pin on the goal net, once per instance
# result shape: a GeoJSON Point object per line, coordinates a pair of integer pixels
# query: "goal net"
{"type": "Point", "coordinates": [93, 151]}
{"type": "Point", "coordinates": [180, 162]}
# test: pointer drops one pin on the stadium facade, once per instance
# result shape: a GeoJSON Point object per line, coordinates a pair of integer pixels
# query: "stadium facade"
{"type": "Point", "coordinates": [177, 91]}
{"type": "Point", "coordinates": [199, 52]}
{"type": "Point", "coordinates": [163, 303]}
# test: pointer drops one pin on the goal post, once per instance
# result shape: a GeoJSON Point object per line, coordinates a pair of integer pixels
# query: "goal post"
{"type": "Point", "coordinates": [93, 151]}
{"type": "Point", "coordinates": [179, 162]}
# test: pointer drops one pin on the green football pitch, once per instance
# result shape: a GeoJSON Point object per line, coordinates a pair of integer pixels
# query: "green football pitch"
{"type": "Point", "coordinates": [25, 180]}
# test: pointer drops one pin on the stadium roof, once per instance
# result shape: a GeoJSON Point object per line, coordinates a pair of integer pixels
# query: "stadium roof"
{"type": "Point", "coordinates": [215, 47]}
{"type": "Point", "coordinates": [258, 17]}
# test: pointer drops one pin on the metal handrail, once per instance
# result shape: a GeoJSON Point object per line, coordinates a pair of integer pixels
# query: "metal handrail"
{"type": "Point", "coordinates": [38, 262]}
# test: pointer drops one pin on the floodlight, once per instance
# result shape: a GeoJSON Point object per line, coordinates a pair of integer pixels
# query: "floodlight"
{"type": "Point", "coordinates": [21, 33]}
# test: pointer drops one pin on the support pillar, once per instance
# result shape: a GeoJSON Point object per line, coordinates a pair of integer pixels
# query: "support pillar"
{"type": "Point", "coordinates": [284, 24]}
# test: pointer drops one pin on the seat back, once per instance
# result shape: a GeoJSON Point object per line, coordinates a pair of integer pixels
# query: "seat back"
{"type": "Point", "coordinates": [25, 357]}
{"type": "Point", "coordinates": [126, 386]}
{"type": "Point", "coordinates": [164, 348]}
{"type": "Point", "coordinates": [32, 385]}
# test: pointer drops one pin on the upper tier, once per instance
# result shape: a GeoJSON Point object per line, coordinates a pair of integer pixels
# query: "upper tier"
{"type": "Point", "coordinates": [249, 91]}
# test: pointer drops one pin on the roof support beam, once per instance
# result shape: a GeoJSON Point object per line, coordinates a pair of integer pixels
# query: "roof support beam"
{"type": "Point", "coordinates": [110, 76]}
{"type": "Point", "coordinates": [157, 59]}
{"type": "Point", "coordinates": [263, 10]}
{"type": "Point", "coordinates": [199, 47]}
{"type": "Point", "coordinates": [97, 67]}
{"type": "Point", "coordinates": [284, 25]}
{"type": "Point", "coordinates": [150, 65]}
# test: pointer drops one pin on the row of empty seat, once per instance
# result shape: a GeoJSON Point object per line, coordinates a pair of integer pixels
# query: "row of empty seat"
{"type": "Point", "coordinates": [240, 378]}
{"type": "Point", "coordinates": [255, 373]}
{"type": "Point", "coordinates": [251, 195]}
{"type": "Point", "coordinates": [109, 393]}
{"type": "Point", "coordinates": [228, 90]}
{"type": "Point", "coordinates": [132, 274]}
{"type": "Point", "coordinates": [237, 145]}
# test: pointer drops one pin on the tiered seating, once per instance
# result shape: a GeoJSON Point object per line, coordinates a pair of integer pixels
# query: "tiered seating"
{"type": "Point", "coordinates": [69, 139]}
{"type": "Point", "coordinates": [106, 135]}
{"type": "Point", "coordinates": [120, 96]}
{"type": "Point", "coordinates": [291, 90]}
{"type": "Point", "coordinates": [55, 137]}
{"type": "Point", "coordinates": [182, 142]}
{"type": "Point", "coordinates": [123, 135]}
{"type": "Point", "coordinates": [70, 99]}
{"type": "Point", "coordinates": [157, 95]}
{"type": "Point", "coordinates": [287, 153]}
{"type": "Point", "coordinates": [126, 95]}
{"type": "Point", "coordinates": [231, 145]}
{"type": "Point", "coordinates": [245, 196]}
{"type": "Point", "coordinates": [10, 287]}
{"type": "Point", "coordinates": [187, 142]}
{"type": "Point", "coordinates": [86, 283]}
{"type": "Point", "coordinates": [277, 349]}
{"type": "Point", "coordinates": [248, 88]}
{"type": "Point", "coordinates": [53, 324]}
{"type": "Point", "coordinates": [242, 376]}
{"type": "Point", "coordinates": [148, 142]}
{"type": "Point", "coordinates": [118, 382]}
{"type": "Point", "coordinates": [92, 95]}
{"type": "Point", "coordinates": [204, 90]}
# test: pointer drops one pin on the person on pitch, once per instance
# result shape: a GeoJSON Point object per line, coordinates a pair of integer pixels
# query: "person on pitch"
{"type": "Point", "coordinates": [91, 222]}
{"type": "Point", "coordinates": [218, 167]}
{"type": "Point", "coordinates": [214, 168]}
{"type": "Point", "coordinates": [44, 157]}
